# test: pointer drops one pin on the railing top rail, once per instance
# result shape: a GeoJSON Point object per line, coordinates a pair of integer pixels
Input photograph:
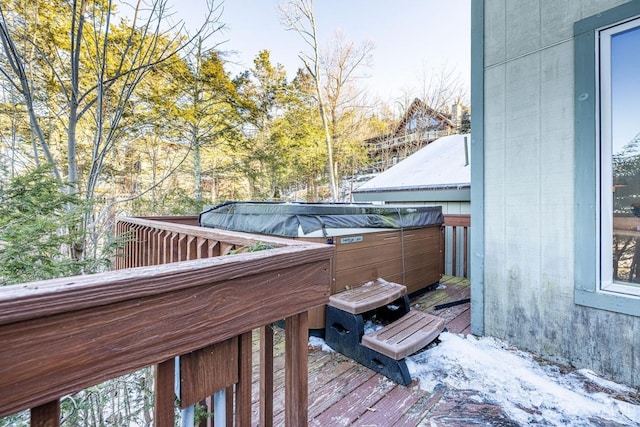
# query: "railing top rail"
{"type": "Point", "coordinates": [180, 219]}
{"type": "Point", "coordinates": [227, 236]}
{"type": "Point", "coordinates": [43, 298]}
{"type": "Point", "coordinates": [457, 220]}
{"type": "Point", "coordinates": [63, 335]}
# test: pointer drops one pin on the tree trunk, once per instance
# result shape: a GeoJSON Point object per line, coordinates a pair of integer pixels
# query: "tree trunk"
{"type": "Point", "coordinates": [197, 173]}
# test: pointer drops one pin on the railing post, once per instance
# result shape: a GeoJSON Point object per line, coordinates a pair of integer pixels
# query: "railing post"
{"type": "Point", "coordinates": [47, 415]}
{"type": "Point", "coordinates": [296, 374]}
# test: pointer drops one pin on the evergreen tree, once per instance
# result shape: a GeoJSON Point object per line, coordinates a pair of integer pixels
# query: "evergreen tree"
{"type": "Point", "coordinates": [36, 225]}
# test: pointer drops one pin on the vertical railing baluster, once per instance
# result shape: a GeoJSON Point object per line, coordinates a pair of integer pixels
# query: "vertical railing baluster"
{"type": "Point", "coordinates": [454, 251]}
{"type": "Point", "coordinates": [164, 394]}
{"type": "Point", "coordinates": [172, 250]}
{"type": "Point", "coordinates": [266, 376]}
{"type": "Point", "coordinates": [465, 246]}
{"type": "Point", "coordinates": [228, 401]}
{"type": "Point", "coordinates": [443, 250]}
{"type": "Point", "coordinates": [243, 387]}
{"type": "Point", "coordinates": [146, 245]}
{"type": "Point", "coordinates": [192, 247]}
{"type": "Point", "coordinates": [458, 263]}
{"type": "Point", "coordinates": [201, 248]}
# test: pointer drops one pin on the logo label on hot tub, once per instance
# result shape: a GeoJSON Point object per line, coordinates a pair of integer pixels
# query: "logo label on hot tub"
{"type": "Point", "coordinates": [351, 239]}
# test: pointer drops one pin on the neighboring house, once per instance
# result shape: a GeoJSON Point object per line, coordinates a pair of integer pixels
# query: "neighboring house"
{"type": "Point", "coordinates": [420, 125]}
{"type": "Point", "coordinates": [554, 244]}
{"type": "Point", "coordinates": [438, 174]}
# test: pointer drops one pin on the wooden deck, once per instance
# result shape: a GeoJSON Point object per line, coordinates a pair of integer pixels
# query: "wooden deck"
{"type": "Point", "coordinates": [343, 392]}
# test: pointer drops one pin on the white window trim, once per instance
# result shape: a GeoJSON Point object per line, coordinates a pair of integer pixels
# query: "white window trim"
{"type": "Point", "coordinates": [604, 170]}
{"type": "Point", "coordinates": [588, 291]}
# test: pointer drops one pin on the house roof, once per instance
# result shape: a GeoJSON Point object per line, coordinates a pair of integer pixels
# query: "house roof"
{"type": "Point", "coordinates": [417, 108]}
{"type": "Point", "coordinates": [420, 107]}
{"type": "Point", "coordinates": [438, 166]}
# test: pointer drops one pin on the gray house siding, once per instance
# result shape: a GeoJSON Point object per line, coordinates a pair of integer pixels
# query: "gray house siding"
{"type": "Point", "coordinates": [523, 190]}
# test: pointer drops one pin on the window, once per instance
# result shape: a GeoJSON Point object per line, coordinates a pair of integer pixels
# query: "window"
{"type": "Point", "coordinates": [619, 112]}
{"type": "Point", "coordinates": [607, 156]}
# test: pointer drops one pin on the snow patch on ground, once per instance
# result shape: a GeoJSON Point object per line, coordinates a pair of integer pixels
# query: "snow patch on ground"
{"type": "Point", "coordinates": [317, 342]}
{"type": "Point", "coordinates": [531, 393]}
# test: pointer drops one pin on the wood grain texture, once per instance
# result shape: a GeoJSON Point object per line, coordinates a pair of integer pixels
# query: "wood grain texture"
{"type": "Point", "coordinates": [367, 297]}
{"type": "Point", "coordinates": [409, 257]}
{"type": "Point", "coordinates": [406, 335]}
{"type": "Point", "coordinates": [266, 376]}
{"type": "Point", "coordinates": [48, 297]}
{"type": "Point", "coordinates": [296, 374]}
{"type": "Point", "coordinates": [163, 408]}
{"type": "Point", "coordinates": [136, 318]}
{"type": "Point", "coordinates": [233, 237]}
{"type": "Point", "coordinates": [184, 219]}
{"type": "Point", "coordinates": [228, 406]}
{"type": "Point", "coordinates": [338, 394]}
{"type": "Point", "coordinates": [243, 387]}
{"type": "Point", "coordinates": [457, 220]}
{"type": "Point", "coordinates": [356, 403]}
{"type": "Point", "coordinates": [47, 415]}
{"type": "Point", "coordinates": [389, 409]}
{"type": "Point", "coordinates": [207, 370]}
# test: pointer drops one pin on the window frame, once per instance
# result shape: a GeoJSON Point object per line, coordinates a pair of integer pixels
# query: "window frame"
{"type": "Point", "coordinates": [589, 211]}
{"type": "Point", "coordinates": [604, 169]}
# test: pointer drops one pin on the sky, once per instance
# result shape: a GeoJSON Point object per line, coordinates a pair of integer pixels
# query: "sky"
{"type": "Point", "coordinates": [531, 393]}
{"type": "Point", "coordinates": [411, 37]}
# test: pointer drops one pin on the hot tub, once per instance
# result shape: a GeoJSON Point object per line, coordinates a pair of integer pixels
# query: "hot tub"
{"type": "Point", "coordinates": [398, 243]}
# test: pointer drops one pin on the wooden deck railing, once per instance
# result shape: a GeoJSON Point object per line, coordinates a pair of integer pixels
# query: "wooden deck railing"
{"type": "Point", "coordinates": [455, 241]}
{"type": "Point", "coordinates": [64, 335]}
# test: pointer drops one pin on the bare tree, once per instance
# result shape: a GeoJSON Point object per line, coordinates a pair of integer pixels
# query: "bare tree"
{"type": "Point", "coordinates": [342, 64]}
{"type": "Point", "coordinates": [439, 88]}
{"type": "Point", "coordinates": [298, 16]}
{"type": "Point", "coordinates": [335, 74]}
{"type": "Point", "coordinates": [428, 109]}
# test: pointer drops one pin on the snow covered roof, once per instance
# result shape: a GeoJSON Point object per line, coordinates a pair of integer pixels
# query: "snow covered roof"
{"type": "Point", "coordinates": [438, 166]}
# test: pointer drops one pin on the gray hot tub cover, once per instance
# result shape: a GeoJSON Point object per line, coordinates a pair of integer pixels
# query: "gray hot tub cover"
{"type": "Point", "coordinates": [287, 219]}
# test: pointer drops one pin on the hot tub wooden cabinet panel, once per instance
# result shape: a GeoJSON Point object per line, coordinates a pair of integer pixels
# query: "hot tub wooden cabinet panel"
{"type": "Point", "coordinates": [398, 243]}
{"type": "Point", "coordinates": [410, 257]}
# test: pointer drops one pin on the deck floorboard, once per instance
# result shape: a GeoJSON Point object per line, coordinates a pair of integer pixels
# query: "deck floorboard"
{"type": "Point", "coordinates": [343, 392]}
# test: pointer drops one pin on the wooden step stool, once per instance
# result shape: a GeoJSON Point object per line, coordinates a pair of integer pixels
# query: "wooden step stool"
{"type": "Point", "coordinates": [384, 350]}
